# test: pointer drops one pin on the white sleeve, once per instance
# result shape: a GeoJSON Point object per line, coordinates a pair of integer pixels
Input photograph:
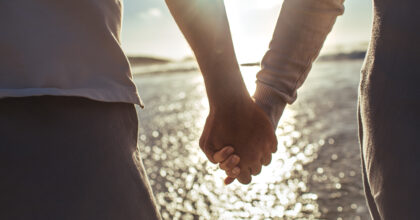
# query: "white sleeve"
{"type": "Point", "coordinates": [299, 35]}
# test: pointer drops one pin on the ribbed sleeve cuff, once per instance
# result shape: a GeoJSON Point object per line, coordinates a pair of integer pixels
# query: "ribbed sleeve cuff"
{"type": "Point", "coordinates": [270, 101]}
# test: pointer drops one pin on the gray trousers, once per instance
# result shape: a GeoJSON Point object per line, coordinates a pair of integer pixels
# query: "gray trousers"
{"type": "Point", "coordinates": [71, 158]}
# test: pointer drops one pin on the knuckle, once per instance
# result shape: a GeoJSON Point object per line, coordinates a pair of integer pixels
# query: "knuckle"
{"type": "Point", "coordinates": [227, 166]}
{"type": "Point", "coordinates": [203, 143]}
{"type": "Point", "coordinates": [267, 160]}
{"type": "Point", "coordinates": [230, 174]}
{"type": "Point", "coordinates": [274, 147]}
{"type": "Point", "coordinates": [225, 154]}
{"type": "Point", "coordinates": [256, 170]}
{"type": "Point", "coordinates": [233, 160]}
{"type": "Point", "coordinates": [245, 176]}
{"type": "Point", "coordinates": [245, 180]}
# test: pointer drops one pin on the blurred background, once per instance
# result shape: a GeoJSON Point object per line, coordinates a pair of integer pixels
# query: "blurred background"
{"type": "Point", "coordinates": [315, 174]}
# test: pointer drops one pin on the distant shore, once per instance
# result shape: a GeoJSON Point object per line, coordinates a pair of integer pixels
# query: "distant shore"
{"type": "Point", "coordinates": [141, 60]}
{"type": "Point", "coordinates": [353, 55]}
{"type": "Point", "coordinates": [143, 65]}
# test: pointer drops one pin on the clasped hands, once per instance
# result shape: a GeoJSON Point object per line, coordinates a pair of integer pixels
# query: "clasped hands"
{"type": "Point", "coordinates": [240, 137]}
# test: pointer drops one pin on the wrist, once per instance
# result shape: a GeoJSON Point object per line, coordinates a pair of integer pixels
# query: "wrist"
{"type": "Point", "coordinates": [230, 99]}
{"type": "Point", "coordinates": [225, 88]}
{"type": "Point", "coordinates": [270, 102]}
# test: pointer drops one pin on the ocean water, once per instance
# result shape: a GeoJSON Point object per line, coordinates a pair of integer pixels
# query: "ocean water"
{"type": "Point", "coordinates": [315, 174]}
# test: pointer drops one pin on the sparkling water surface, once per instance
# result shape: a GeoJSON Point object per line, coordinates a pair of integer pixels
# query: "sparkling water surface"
{"type": "Point", "coordinates": [315, 174]}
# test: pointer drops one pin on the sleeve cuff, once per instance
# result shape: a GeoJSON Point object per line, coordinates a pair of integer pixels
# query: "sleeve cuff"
{"type": "Point", "coordinates": [270, 101]}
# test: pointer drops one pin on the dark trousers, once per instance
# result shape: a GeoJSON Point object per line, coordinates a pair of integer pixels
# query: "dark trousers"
{"type": "Point", "coordinates": [71, 158]}
{"type": "Point", "coordinates": [389, 112]}
{"type": "Point", "coordinates": [389, 130]}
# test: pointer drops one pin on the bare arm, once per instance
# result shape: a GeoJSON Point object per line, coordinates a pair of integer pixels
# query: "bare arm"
{"type": "Point", "coordinates": [234, 119]}
{"type": "Point", "coordinates": [205, 26]}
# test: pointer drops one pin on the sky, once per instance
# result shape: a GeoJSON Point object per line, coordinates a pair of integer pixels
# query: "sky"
{"type": "Point", "coordinates": [149, 29]}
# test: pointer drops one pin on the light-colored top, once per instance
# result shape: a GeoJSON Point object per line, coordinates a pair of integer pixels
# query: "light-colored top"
{"type": "Point", "coordinates": [64, 48]}
{"type": "Point", "coordinates": [299, 35]}
{"type": "Point", "coordinates": [390, 71]}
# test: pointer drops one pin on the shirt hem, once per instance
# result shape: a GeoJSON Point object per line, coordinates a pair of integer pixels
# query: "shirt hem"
{"type": "Point", "coordinates": [94, 94]}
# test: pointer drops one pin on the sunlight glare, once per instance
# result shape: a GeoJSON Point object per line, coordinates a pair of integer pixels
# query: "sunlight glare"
{"type": "Point", "coordinates": [250, 36]}
{"type": "Point", "coordinates": [249, 76]}
{"type": "Point", "coordinates": [267, 4]}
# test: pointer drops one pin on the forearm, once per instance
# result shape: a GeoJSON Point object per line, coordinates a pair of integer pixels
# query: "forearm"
{"type": "Point", "coordinates": [301, 30]}
{"type": "Point", "coordinates": [205, 26]}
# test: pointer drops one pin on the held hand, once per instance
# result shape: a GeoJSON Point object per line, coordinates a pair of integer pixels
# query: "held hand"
{"type": "Point", "coordinates": [245, 127]}
{"type": "Point", "coordinates": [228, 162]}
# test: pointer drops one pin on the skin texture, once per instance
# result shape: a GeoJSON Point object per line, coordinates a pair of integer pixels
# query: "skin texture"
{"type": "Point", "coordinates": [228, 162]}
{"type": "Point", "coordinates": [248, 130]}
{"type": "Point", "coordinates": [234, 119]}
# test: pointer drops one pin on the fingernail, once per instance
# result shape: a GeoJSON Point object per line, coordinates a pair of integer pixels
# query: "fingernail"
{"type": "Point", "coordinates": [229, 150]}
{"type": "Point", "coordinates": [235, 159]}
{"type": "Point", "coordinates": [236, 170]}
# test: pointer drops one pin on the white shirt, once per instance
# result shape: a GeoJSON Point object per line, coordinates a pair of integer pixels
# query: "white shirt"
{"type": "Point", "coordinates": [64, 48]}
